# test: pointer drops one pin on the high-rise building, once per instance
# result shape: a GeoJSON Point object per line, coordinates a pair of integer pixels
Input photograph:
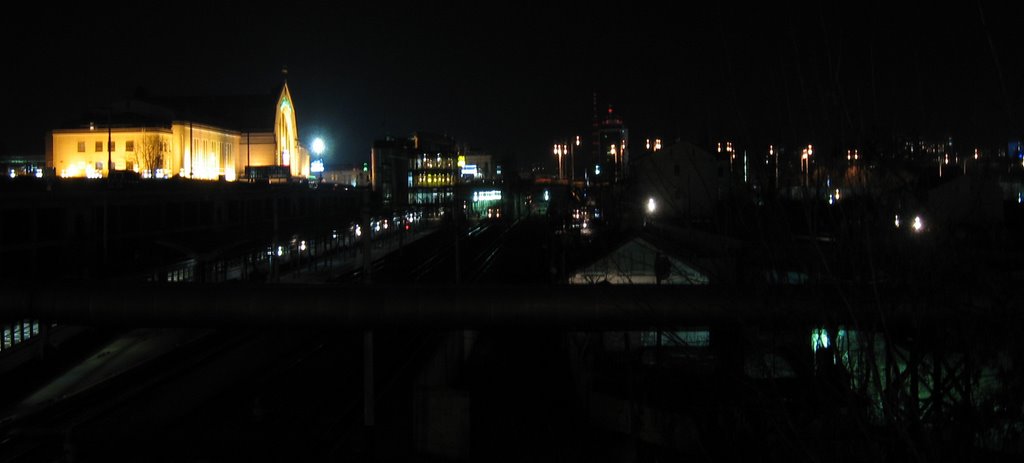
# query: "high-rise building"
{"type": "Point", "coordinates": [611, 148]}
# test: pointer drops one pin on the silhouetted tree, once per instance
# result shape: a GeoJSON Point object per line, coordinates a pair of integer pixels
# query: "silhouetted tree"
{"type": "Point", "coordinates": [149, 154]}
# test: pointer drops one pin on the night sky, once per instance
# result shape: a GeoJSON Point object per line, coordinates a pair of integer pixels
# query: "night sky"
{"type": "Point", "coordinates": [512, 78]}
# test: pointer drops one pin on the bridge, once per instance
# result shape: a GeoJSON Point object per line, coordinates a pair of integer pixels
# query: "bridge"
{"type": "Point", "coordinates": [237, 304]}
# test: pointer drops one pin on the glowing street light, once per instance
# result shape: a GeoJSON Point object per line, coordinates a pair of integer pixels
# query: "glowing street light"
{"type": "Point", "coordinates": [805, 163]}
{"type": "Point", "coordinates": [729, 152]}
{"type": "Point", "coordinates": [560, 150]}
{"type": "Point", "coordinates": [804, 158]}
{"type": "Point", "coordinates": [572, 160]}
{"type": "Point", "coordinates": [317, 165]}
{"type": "Point", "coordinates": [651, 205]}
{"type": "Point", "coordinates": [975, 158]}
{"type": "Point", "coordinates": [918, 224]}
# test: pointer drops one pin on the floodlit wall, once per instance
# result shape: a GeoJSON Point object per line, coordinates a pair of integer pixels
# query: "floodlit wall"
{"type": "Point", "coordinates": [257, 149]}
{"type": "Point", "coordinates": [204, 152]}
{"type": "Point", "coordinates": [83, 152]}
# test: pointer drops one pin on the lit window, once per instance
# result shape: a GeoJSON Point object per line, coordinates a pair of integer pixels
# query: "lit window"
{"type": "Point", "coordinates": [129, 145]}
{"type": "Point", "coordinates": [81, 147]}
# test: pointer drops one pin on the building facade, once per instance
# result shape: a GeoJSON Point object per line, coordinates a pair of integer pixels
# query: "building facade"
{"type": "Point", "coordinates": [347, 176]}
{"type": "Point", "coordinates": [191, 148]}
{"type": "Point", "coordinates": [389, 170]}
{"type": "Point", "coordinates": [433, 169]}
{"type": "Point", "coordinates": [475, 166]}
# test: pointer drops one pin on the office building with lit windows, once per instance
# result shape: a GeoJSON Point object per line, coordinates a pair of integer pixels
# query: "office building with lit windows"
{"type": "Point", "coordinates": [433, 169]}
{"type": "Point", "coordinates": [424, 169]}
{"type": "Point", "coordinates": [417, 171]}
{"type": "Point", "coordinates": [206, 138]}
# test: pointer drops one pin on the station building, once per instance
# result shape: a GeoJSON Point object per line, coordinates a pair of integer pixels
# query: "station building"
{"type": "Point", "coordinates": [207, 138]}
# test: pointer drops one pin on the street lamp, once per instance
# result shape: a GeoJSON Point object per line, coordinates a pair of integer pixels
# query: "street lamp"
{"type": "Point", "coordinates": [319, 146]}
{"type": "Point", "coordinates": [732, 154]}
{"type": "Point", "coordinates": [975, 158]}
{"type": "Point", "coordinates": [572, 160]}
{"type": "Point", "coordinates": [805, 162]}
{"type": "Point", "coordinates": [559, 151]}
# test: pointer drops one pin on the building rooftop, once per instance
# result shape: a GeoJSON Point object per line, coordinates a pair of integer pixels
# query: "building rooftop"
{"type": "Point", "coordinates": [243, 113]}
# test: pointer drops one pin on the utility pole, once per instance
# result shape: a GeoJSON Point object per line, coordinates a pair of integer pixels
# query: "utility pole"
{"type": "Point", "coordinates": [369, 395]}
{"type": "Point", "coordinates": [455, 223]}
{"type": "Point", "coordinates": [275, 264]}
{"type": "Point", "coordinates": [110, 162]}
{"type": "Point", "coordinates": [367, 236]}
{"type": "Point", "coordinates": [572, 160]}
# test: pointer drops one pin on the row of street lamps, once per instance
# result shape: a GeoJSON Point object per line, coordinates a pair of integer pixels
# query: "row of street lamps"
{"type": "Point", "coordinates": [567, 149]}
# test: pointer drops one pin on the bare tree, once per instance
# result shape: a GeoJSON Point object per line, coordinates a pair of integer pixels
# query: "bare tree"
{"type": "Point", "coordinates": [150, 154]}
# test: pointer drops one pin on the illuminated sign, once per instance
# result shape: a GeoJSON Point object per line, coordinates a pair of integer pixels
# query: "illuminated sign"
{"type": "Point", "coordinates": [492, 195]}
{"type": "Point", "coordinates": [317, 166]}
{"type": "Point", "coordinates": [470, 170]}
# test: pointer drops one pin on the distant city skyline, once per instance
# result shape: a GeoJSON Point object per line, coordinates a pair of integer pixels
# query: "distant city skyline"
{"type": "Point", "coordinates": [513, 82]}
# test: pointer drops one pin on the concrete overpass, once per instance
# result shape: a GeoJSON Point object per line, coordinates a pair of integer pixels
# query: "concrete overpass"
{"type": "Point", "coordinates": [445, 307]}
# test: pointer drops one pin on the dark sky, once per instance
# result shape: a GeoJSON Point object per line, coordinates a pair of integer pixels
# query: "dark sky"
{"type": "Point", "coordinates": [510, 78]}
